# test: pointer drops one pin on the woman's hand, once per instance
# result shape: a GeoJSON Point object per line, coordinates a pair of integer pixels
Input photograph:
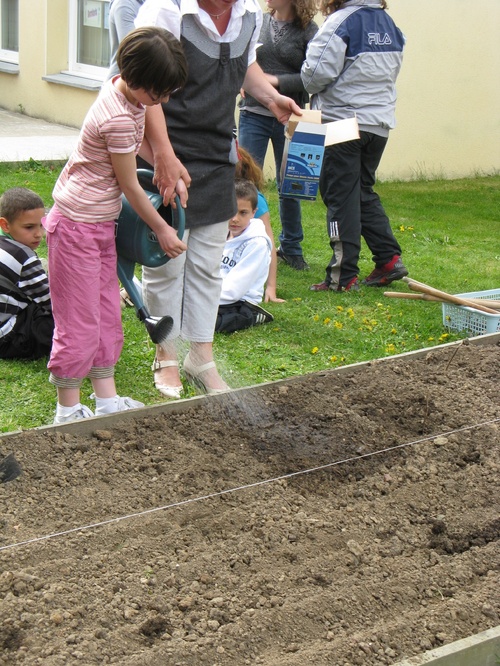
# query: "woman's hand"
{"type": "Point", "coordinates": [171, 178]}
{"type": "Point", "coordinates": [283, 107]}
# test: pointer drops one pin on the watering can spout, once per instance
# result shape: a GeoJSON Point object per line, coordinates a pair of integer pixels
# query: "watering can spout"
{"type": "Point", "coordinates": [158, 327]}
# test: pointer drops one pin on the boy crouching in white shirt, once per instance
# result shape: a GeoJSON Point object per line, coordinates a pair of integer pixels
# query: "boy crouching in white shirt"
{"type": "Point", "coordinates": [244, 266]}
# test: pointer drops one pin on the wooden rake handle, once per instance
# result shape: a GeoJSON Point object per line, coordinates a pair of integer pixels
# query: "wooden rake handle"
{"type": "Point", "coordinates": [443, 295]}
{"type": "Point", "coordinates": [495, 305]}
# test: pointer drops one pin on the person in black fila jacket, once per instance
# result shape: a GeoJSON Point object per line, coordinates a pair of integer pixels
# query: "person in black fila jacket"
{"type": "Point", "coordinates": [26, 323]}
{"type": "Point", "coordinates": [350, 70]}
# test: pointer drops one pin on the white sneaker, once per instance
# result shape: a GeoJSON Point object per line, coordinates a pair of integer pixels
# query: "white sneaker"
{"type": "Point", "coordinates": [80, 412]}
{"type": "Point", "coordinates": [116, 404]}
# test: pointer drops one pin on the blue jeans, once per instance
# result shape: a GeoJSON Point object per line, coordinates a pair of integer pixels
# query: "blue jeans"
{"type": "Point", "coordinates": [254, 133]}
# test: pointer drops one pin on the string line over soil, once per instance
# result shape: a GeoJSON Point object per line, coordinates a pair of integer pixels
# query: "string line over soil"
{"type": "Point", "coordinates": [247, 486]}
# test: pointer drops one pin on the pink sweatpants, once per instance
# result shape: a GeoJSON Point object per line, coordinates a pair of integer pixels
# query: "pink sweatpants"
{"type": "Point", "coordinates": [85, 296]}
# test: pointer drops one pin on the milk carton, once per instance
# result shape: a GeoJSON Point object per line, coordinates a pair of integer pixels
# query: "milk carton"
{"type": "Point", "coordinates": [306, 140]}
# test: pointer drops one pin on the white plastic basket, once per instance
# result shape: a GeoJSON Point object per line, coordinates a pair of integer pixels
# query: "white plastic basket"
{"type": "Point", "coordinates": [460, 318]}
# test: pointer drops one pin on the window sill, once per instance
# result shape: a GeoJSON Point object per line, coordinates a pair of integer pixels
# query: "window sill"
{"type": "Point", "coordinates": [9, 67]}
{"type": "Point", "coordinates": [74, 81]}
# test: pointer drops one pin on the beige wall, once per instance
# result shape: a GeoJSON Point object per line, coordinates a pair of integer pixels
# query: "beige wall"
{"type": "Point", "coordinates": [448, 111]}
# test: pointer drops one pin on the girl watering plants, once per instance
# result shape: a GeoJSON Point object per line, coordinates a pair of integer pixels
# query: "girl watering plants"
{"type": "Point", "coordinates": [88, 335]}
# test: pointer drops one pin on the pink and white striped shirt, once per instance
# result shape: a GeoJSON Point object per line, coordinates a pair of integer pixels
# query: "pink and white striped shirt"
{"type": "Point", "coordinates": [87, 189]}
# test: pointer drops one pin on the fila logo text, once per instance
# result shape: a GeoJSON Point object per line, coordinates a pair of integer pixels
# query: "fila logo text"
{"type": "Point", "coordinates": [378, 39]}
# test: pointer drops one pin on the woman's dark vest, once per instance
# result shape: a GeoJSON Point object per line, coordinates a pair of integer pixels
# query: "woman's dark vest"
{"type": "Point", "coordinates": [200, 119]}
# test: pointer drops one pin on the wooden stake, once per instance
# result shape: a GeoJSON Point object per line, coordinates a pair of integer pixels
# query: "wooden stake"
{"type": "Point", "coordinates": [426, 289]}
{"type": "Point", "coordinates": [490, 303]}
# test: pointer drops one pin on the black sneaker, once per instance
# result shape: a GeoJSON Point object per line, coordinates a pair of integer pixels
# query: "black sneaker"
{"type": "Point", "coordinates": [389, 272]}
{"type": "Point", "coordinates": [295, 261]}
{"type": "Point", "coordinates": [261, 316]}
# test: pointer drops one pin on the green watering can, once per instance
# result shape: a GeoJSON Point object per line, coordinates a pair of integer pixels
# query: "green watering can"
{"type": "Point", "coordinates": [137, 244]}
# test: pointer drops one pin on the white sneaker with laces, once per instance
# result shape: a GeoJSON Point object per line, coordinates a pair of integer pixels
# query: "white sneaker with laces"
{"type": "Point", "coordinates": [116, 404]}
{"type": "Point", "coordinates": [79, 412]}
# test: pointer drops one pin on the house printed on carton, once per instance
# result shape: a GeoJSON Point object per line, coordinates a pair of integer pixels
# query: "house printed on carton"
{"type": "Point", "coordinates": [306, 139]}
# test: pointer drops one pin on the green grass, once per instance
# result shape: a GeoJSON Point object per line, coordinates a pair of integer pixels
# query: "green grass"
{"type": "Point", "coordinates": [450, 235]}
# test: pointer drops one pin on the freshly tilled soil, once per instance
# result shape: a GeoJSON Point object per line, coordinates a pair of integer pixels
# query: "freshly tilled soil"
{"type": "Point", "coordinates": [340, 518]}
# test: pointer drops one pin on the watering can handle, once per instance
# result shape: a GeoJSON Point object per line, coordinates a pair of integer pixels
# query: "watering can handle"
{"type": "Point", "coordinates": [181, 217]}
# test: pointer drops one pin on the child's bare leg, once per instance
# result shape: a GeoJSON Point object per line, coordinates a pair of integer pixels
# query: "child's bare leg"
{"type": "Point", "coordinates": [107, 400]}
{"type": "Point", "coordinates": [68, 406]}
{"type": "Point", "coordinates": [68, 397]}
{"type": "Point", "coordinates": [104, 387]}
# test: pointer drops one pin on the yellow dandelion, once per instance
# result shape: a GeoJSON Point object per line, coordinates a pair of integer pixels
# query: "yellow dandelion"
{"type": "Point", "coordinates": [340, 308]}
{"type": "Point", "coordinates": [314, 350]}
{"type": "Point", "coordinates": [327, 320]}
{"type": "Point", "coordinates": [393, 330]}
{"type": "Point", "coordinates": [333, 359]}
{"type": "Point", "coordinates": [338, 324]}
{"type": "Point", "coordinates": [350, 312]}
{"type": "Point", "coordinates": [390, 349]}
{"type": "Point", "coordinates": [316, 317]}
{"type": "Point", "coordinates": [430, 339]}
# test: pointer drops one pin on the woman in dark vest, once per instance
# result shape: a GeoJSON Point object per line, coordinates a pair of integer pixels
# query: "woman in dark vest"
{"type": "Point", "coordinates": [219, 38]}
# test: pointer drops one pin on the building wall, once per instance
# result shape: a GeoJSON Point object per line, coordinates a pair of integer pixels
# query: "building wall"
{"type": "Point", "coordinates": [448, 111]}
{"type": "Point", "coordinates": [43, 49]}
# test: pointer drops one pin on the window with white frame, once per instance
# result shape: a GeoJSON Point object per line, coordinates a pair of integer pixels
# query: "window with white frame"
{"type": "Point", "coordinates": [9, 30]}
{"type": "Point", "coordinates": [89, 51]}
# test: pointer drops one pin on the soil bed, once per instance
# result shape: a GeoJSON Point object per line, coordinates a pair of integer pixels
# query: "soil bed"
{"type": "Point", "coordinates": [365, 559]}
